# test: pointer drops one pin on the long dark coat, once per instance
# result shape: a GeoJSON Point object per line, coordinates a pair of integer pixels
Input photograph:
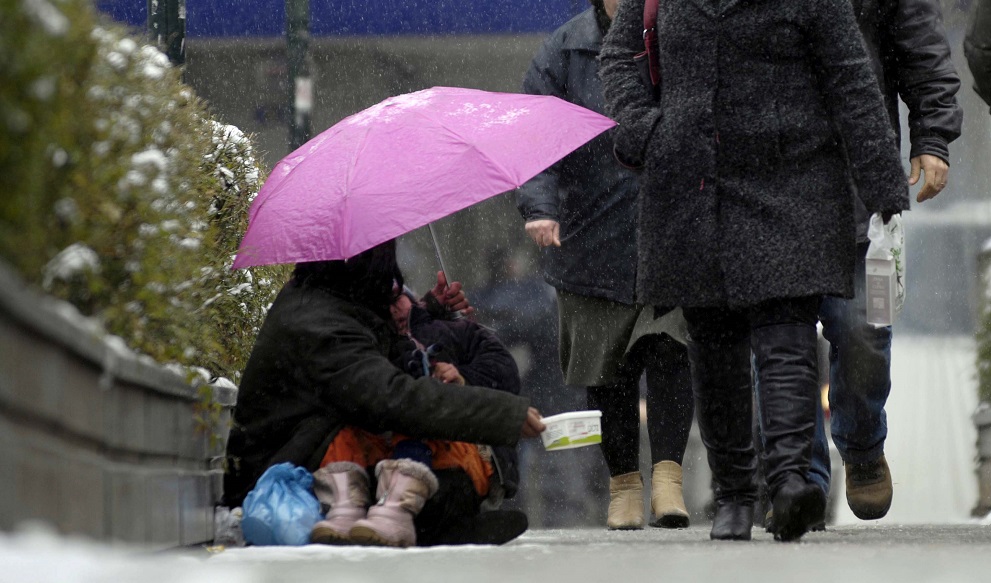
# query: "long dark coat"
{"type": "Point", "coordinates": [321, 362]}
{"type": "Point", "coordinates": [746, 195]}
{"type": "Point", "coordinates": [591, 196]}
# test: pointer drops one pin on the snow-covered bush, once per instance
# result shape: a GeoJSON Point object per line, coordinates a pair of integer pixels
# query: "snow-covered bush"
{"type": "Point", "coordinates": [120, 192]}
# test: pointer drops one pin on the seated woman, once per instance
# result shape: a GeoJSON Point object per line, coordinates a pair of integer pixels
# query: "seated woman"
{"type": "Point", "coordinates": [321, 364]}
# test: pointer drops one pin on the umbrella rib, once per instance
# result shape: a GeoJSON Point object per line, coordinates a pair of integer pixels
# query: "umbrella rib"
{"type": "Point", "coordinates": [346, 207]}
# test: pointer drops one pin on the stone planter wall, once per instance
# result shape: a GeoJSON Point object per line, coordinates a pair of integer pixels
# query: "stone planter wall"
{"type": "Point", "coordinates": [95, 440]}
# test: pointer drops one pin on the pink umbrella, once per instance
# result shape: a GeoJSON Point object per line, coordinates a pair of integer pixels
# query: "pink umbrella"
{"type": "Point", "coordinates": [401, 164]}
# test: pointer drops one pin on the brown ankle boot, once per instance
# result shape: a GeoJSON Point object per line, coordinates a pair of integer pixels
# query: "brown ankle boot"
{"type": "Point", "coordinates": [868, 489]}
{"type": "Point", "coordinates": [625, 502]}
{"type": "Point", "coordinates": [342, 489]}
{"type": "Point", "coordinates": [666, 499]}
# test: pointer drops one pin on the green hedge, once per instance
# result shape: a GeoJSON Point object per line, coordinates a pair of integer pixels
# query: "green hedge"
{"type": "Point", "coordinates": [121, 194]}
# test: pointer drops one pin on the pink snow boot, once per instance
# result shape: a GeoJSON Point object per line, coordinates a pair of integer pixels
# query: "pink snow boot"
{"type": "Point", "coordinates": [403, 487]}
{"type": "Point", "coordinates": [342, 489]}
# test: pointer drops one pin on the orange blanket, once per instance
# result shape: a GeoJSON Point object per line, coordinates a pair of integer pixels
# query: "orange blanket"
{"type": "Point", "coordinates": [367, 449]}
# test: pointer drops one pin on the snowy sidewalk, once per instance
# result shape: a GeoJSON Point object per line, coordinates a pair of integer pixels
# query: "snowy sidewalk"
{"type": "Point", "coordinates": [849, 554]}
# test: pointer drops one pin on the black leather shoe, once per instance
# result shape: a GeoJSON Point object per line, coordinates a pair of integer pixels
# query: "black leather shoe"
{"type": "Point", "coordinates": [769, 524]}
{"type": "Point", "coordinates": [798, 506]}
{"type": "Point", "coordinates": [732, 522]}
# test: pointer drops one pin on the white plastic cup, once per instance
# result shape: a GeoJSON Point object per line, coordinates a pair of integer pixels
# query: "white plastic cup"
{"type": "Point", "coordinates": [571, 430]}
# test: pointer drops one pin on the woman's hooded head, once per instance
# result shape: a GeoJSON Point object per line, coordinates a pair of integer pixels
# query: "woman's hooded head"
{"type": "Point", "coordinates": [368, 278]}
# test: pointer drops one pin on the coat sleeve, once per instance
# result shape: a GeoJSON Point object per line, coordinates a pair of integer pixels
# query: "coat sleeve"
{"type": "Point", "coordinates": [350, 375]}
{"type": "Point", "coordinates": [977, 48]}
{"type": "Point", "coordinates": [539, 197]}
{"type": "Point", "coordinates": [627, 101]}
{"type": "Point", "coordinates": [856, 106]}
{"type": "Point", "coordinates": [917, 55]}
{"type": "Point", "coordinates": [489, 362]}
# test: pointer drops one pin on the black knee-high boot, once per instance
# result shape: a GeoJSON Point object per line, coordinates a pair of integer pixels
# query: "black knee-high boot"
{"type": "Point", "coordinates": [788, 390]}
{"type": "Point", "coordinates": [723, 406]}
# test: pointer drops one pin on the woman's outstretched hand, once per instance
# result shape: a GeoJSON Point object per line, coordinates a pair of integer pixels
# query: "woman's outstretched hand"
{"type": "Point", "coordinates": [532, 426]}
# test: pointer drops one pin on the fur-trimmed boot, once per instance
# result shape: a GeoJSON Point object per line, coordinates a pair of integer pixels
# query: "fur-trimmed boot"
{"type": "Point", "coordinates": [625, 502]}
{"type": "Point", "coordinates": [403, 487]}
{"type": "Point", "coordinates": [342, 489]}
{"type": "Point", "coordinates": [666, 498]}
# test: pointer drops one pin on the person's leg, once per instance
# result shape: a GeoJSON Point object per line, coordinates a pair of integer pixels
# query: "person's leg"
{"type": "Point", "coordinates": [820, 470]}
{"type": "Point", "coordinates": [784, 344]}
{"type": "Point", "coordinates": [719, 353]}
{"type": "Point", "coordinates": [620, 406]}
{"type": "Point", "coordinates": [670, 404]}
{"type": "Point", "coordinates": [670, 410]}
{"type": "Point", "coordinates": [859, 384]}
{"type": "Point", "coordinates": [452, 517]}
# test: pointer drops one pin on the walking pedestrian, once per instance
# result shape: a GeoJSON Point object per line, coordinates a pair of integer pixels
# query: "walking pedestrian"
{"type": "Point", "coordinates": [582, 212]}
{"type": "Point", "coordinates": [977, 48]}
{"type": "Point", "coordinates": [747, 214]}
{"type": "Point", "coordinates": [910, 55]}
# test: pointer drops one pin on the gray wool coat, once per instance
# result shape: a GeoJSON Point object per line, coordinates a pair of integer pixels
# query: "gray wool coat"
{"type": "Point", "coordinates": [747, 193]}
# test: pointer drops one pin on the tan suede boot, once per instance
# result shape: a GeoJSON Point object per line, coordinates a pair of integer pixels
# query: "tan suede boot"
{"type": "Point", "coordinates": [666, 499]}
{"type": "Point", "coordinates": [625, 502]}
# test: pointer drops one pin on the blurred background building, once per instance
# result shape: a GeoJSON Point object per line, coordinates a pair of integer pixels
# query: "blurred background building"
{"type": "Point", "coordinates": [361, 52]}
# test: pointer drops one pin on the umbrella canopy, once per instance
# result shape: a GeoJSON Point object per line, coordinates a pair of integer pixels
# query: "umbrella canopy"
{"type": "Point", "coordinates": [403, 163]}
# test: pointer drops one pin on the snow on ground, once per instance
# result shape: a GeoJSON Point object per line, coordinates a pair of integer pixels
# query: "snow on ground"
{"type": "Point", "coordinates": [36, 554]}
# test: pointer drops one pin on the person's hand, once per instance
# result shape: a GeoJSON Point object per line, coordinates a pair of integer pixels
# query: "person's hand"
{"type": "Point", "coordinates": [446, 372]}
{"type": "Point", "coordinates": [544, 232]}
{"type": "Point", "coordinates": [532, 426]}
{"type": "Point", "coordinates": [935, 170]}
{"type": "Point", "coordinates": [451, 296]}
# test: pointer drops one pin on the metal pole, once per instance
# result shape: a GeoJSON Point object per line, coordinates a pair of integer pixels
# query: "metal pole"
{"type": "Point", "coordinates": [167, 28]}
{"type": "Point", "coordinates": [300, 83]}
{"type": "Point", "coordinates": [440, 259]}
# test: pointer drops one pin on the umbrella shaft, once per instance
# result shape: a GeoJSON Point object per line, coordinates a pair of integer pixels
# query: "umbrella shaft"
{"type": "Point", "coordinates": [440, 259]}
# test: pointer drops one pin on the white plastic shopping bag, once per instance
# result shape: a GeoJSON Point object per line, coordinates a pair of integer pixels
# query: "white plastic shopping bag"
{"type": "Point", "coordinates": [885, 270]}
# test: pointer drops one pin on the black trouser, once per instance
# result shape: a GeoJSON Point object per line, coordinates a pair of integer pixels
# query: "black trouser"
{"type": "Point", "coordinates": [781, 334]}
{"type": "Point", "coordinates": [669, 405]}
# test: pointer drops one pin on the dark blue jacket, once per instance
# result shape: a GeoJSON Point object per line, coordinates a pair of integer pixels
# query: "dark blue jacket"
{"type": "Point", "coordinates": [977, 47]}
{"type": "Point", "coordinates": [910, 55]}
{"type": "Point", "coordinates": [591, 196]}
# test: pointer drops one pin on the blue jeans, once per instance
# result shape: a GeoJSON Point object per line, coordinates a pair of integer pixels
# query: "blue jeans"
{"type": "Point", "coordinates": [859, 373]}
{"type": "Point", "coordinates": [859, 381]}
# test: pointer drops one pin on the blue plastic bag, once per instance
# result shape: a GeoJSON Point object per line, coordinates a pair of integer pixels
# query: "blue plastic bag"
{"type": "Point", "coordinates": [281, 509]}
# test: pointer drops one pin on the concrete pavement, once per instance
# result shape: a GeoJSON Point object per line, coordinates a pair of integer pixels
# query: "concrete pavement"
{"type": "Point", "coordinates": [847, 554]}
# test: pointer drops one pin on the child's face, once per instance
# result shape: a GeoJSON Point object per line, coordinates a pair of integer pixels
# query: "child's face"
{"type": "Point", "coordinates": [400, 313]}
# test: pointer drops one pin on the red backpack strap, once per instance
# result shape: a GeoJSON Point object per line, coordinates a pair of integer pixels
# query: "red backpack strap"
{"type": "Point", "coordinates": [650, 40]}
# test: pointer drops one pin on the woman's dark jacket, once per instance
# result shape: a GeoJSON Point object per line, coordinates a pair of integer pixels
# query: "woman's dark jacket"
{"type": "Point", "coordinates": [747, 194]}
{"type": "Point", "coordinates": [977, 48]}
{"type": "Point", "coordinates": [481, 358]}
{"type": "Point", "coordinates": [321, 362]}
{"type": "Point", "coordinates": [907, 45]}
{"type": "Point", "coordinates": [591, 196]}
